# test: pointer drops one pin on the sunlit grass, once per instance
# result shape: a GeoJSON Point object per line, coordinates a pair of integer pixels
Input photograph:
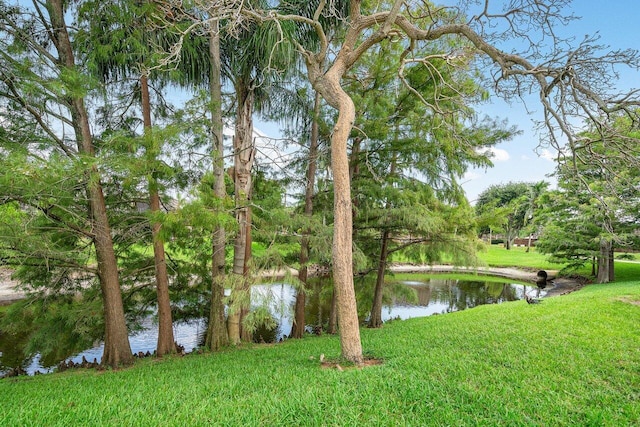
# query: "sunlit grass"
{"type": "Point", "coordinates": [572, 360]}
{"type": "Point", "coordinates": [498, 256]}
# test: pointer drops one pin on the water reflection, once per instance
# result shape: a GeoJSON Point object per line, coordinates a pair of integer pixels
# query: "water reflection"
{"type": "Point", "coordinates": [446, 295]}
{"type": "Point", "coordinates": [434, 296]}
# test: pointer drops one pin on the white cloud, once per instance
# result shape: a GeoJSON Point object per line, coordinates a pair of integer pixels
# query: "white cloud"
{"type": "Point", "coordinates": [497, 154]}
{"type": "Point", "coordinates": [547, 155]}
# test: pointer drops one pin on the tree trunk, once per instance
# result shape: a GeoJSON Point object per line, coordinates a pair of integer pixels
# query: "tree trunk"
{"type": "Point", "coordinates": [332, 324]}
{"type": "Point", "coordinates": [243, 148]}
{"type": "Point", "coordinates": [375, 319]}
{"type": "Point", "coordinates": [299, 322]}
{"type": "Point", "coordinates": [612, 270]}
{"type": "Point", "coordinates": [117, 350]}
{"type": "Point", "coordinates": [217, 335]}
{"type": "Point", "coordinates": [166, 342]}
{"type": "Point", "coordinates": [342, 251]}
{"type": "Point", "coordinates": [605, 262]}
{"type": "Point", "coordinates": [297, 330]}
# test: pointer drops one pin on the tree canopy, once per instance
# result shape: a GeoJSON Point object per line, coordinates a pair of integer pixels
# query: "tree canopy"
{"type": "Point", "coordinates": [394, 132]}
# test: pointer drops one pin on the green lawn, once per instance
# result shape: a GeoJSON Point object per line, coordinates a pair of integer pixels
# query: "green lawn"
{"type": "Point", "coordinates": [571, 360]}
{"type": "Point", "coordinates": [498, 256]}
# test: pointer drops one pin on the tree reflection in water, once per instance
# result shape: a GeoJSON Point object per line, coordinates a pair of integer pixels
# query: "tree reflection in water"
{"type": "Point", "coordinates": [434, 296]}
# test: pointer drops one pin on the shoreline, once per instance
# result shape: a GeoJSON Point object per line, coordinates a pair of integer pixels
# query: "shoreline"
{"type": "Point", "coordinates": [9, 294]}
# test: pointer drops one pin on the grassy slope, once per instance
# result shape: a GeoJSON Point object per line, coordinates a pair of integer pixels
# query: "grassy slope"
{"type": "Point", "coordinates": [498, 256]}
{"type": "Point", "coordinates": [572, 360]}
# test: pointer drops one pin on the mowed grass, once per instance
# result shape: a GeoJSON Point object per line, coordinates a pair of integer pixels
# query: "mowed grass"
{"type": "Point", "coordinates": [498, 256]}
{"type": "Point", "coordinates": [571, 360]}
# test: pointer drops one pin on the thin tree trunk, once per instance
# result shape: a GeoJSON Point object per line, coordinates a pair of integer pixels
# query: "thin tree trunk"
{"type": "Point", "coordinates": [375, 319]}
{"type": "Point", "coordinates": [332, 326]}
{"type": "Point", "coordinates": [612, 276]}
{"type": "Point", "coordinates": [117, 350]}
{"type": "Point", "coordinates": [299, 322]}
{"type": "Point", "coordinates": [243, 162]}
{"type": "Point", "coordinates": [320, 321]}
{"type": "Point", "coordinates": [166, 342]}
{"type": "Point", "coordinates": [217, 335]}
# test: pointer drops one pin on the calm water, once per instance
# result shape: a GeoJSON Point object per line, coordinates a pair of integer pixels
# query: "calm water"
{"type": "Point", "coordinates": [434, 296]}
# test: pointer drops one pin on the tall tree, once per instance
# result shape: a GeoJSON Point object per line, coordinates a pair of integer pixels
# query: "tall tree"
{"type": "Point", "coordinates": [562, 76]}
{"type": "Point", "coordinates": [303, 275]}
{"type": "Point", "coordinates": [217, 335]}
{"type": "Point", "coordinates": [507, 201]}
{"type": "Point", "coordinates": [250, 60]}
{"type": "Point", "coordinates": [595, 207]}
{"type": "Point", "coordinates": [135, 44]}
{"type": "Point", "coordinates": [404, 187]}
{"type": "Point", "coordinates": [116, 348]}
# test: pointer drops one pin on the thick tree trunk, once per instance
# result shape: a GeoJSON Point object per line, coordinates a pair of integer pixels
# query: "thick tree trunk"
{"type": "Point", "coordinates": [243, 148]}
{"type": "Point", "coordinates": [299, 322]}
{"type": "Point", "coordinates": [166, 342]}
{"type": "Point", "coordinates": [342, 251]}
{"type": "Point", "coordinates": [217, 335]}
{"type": "Point", "coordinates": [117, 350]}
{"type": "Point", "coordinates": [342, 238]}
{"type": "Point", "coordinates": [605, 261]}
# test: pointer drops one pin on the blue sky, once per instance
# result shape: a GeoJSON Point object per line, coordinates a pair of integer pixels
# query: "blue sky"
{"type": "Point", "coordinates": [617, 22]}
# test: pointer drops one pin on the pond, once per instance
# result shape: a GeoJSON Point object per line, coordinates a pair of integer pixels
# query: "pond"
{"type": "Point", "coordinates": [433, 296]}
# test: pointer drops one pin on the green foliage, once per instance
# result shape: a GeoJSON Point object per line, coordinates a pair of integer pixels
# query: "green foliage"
{"type": "Point", "coordinates": [410, 146]}
{"type": "Point", "coordinates": [56, 327]}
{"type": "Point", "coordinates": [509, 208]}
{"type": "Point", "coordinates": [596, 201]}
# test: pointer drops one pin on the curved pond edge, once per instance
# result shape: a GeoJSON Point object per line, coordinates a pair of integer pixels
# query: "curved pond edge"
{"type": "Point", "coordinates": [556, 287]}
